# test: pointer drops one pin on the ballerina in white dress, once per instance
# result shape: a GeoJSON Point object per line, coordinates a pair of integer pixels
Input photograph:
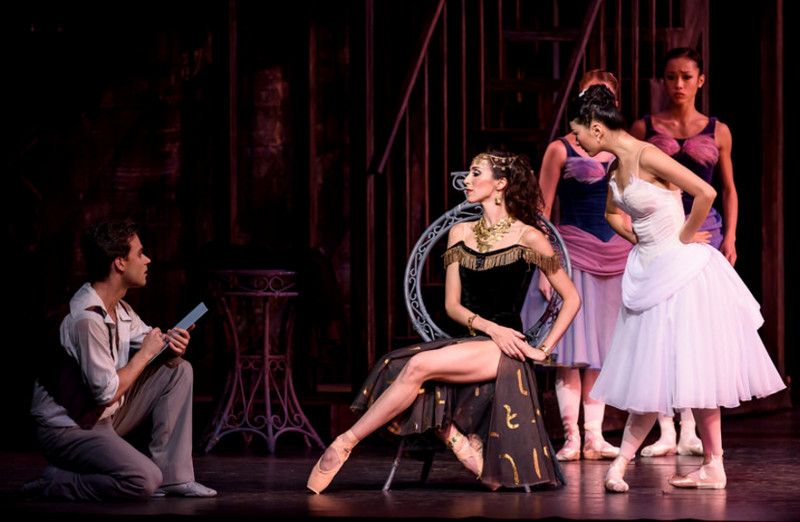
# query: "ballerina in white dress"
{"type": "Point", "coordinates": [687, 333]}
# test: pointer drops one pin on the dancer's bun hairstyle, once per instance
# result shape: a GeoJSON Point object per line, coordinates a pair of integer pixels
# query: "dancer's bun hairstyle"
{"type": "Point", "coordinates": [596, 103]}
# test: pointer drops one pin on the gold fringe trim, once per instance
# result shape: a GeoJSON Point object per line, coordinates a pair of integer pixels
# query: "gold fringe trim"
{"type": "Point", "coordinates": [457, 254]}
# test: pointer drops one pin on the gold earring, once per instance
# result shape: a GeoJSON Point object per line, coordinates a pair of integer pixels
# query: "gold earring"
{"type": "Point", "coordinates": [497, 200]}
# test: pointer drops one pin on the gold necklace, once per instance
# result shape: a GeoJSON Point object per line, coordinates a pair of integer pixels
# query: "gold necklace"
{"type": "Point", "coordinates": [488, 236]}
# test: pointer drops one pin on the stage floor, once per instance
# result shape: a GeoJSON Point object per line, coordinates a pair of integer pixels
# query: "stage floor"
{"type": "Point", "coordinates": [762, 461]}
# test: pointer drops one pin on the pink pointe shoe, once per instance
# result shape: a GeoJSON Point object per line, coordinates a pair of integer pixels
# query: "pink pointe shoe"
{"type": "Point", "coordinates": [690, 445]}
{"type": "Point", "coordinates": [468, 451]}
{"type": "Point", "coordinates": [613, 481]}
{"type": "Point", "coordinates": [660, 448]}
{"type": "Point", "coordinates": [595, 447]}
{"type": "Point", "coordinates": [709, 476]}
{"type": "Point", "coordinates": [319, 479]}
{"type": "Point", "coordinates": [571, 450]}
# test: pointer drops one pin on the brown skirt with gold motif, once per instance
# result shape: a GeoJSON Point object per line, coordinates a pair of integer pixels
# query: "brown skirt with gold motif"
{"type": "Point", "coordinates": [504, 413]}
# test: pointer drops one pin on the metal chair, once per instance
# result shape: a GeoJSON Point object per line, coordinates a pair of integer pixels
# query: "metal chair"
{"type": "Point", "coordinates": [424, 324]}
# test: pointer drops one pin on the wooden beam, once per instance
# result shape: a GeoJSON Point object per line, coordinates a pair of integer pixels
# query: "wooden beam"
{"type": "Point", "coordinates": [772, 208]}
{"type": "Point", "coordinates": [369, 219]}
{"type": "Point", "coordinates": [233, 124]}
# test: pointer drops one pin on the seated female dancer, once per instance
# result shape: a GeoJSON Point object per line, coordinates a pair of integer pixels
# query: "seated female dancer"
{"type": "Point", "coordinates": [479, 385]}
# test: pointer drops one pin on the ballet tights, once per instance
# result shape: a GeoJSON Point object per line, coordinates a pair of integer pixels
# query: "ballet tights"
{"type": "Point", "coordinates": [638, 426]}
{"type": "Point", "coordinates": [667, 426]}
{"type": "Point", "coordinates": [572, 388]}
{"type": "Point", "coordinates": [709, 424]}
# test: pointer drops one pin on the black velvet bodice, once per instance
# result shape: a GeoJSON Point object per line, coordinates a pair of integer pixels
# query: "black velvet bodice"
{"type": "Point", "coordinates": [494, 284]}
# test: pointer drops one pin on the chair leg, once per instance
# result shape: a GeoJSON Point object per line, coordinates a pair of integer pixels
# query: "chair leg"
{"type": "Point", "coordinates": [388, 484]}
{"type": "Point", "coordinates": [426, 467]}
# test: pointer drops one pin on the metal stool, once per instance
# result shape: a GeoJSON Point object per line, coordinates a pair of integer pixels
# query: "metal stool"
{"type": "Point", "coordinates": [259, 396]}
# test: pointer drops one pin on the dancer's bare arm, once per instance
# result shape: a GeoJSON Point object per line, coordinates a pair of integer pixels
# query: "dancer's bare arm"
{"type": "Point", "coordinates": [561, 283]}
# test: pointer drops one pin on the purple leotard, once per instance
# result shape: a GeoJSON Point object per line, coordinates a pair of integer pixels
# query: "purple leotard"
{"type": "Point", "coordinates": [699, 154]}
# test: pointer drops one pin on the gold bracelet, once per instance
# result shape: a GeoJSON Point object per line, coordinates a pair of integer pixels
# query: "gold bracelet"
{"type": "Point", "coordinates": [547, 351]}
{"type": "Point", "coordinates": [469, 324]}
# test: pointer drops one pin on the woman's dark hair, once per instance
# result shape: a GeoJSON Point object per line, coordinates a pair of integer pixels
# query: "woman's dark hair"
{"type": "Point", "coordinates": [102, 243]}
{"type": "Point", "coordinates": [596, 103]}
{"type": "Point", "coordinates": [523, 196]}
{"type": "Point", "coordinates": [684, 52]}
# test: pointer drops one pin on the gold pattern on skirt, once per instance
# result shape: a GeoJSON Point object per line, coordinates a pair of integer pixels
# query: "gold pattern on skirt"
{"type": "Point", "coordinates": [513, 466]}
{"type": "Point", "coordinates": [367, 391]}
{"type": "Point", "coordinates": [510, 417]}
{"type": "Point", "coordinates": [536, 463]}
{"type": "Point", "coordinates": [522, 390]}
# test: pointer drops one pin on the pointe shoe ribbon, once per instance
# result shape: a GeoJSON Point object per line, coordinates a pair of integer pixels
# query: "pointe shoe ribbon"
{"type": "Point", "coordinates": [708, 476]}
{"type": "Point", "coordinates": [468, 451]}
{"type": "Point", "coordinates": [319, 479]}
{"type": "Point", "coordinates": [613, 481]}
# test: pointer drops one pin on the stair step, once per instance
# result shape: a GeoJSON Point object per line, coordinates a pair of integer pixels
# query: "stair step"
{"type": "Point", "coordinates": [539, 35]}
{"type": "Point", "coordinates": [514, 85]}
{"type": "Point", "coordinates": [523, 135]}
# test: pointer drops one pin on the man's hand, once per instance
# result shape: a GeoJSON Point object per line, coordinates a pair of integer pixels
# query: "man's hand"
{"type": "Point", "coordinates": [152, 343]}
{"type": "Point", "coordinates": [178, 340]}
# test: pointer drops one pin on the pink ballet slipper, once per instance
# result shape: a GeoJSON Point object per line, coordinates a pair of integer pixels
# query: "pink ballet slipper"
{"type": "Point", "coordinates": [709, 476]}
{"type": "Point", "coordinates": [613, 481]}
{"type": "Point", "coordinates": [595, 447]}
{"type": "Point", "coordinates": [571, 450]}
{"type": "Point", "coordinates": [468, 451]}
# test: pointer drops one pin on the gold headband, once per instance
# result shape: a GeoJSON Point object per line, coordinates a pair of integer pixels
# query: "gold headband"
{"type": "Point", "coordinates": [499, 162]}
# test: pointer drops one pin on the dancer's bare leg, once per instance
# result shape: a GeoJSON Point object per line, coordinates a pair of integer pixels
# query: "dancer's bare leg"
{"type": "Point", "coordinates": [594, 445]}
{"type": "Point", "coordinates": [458, 363]}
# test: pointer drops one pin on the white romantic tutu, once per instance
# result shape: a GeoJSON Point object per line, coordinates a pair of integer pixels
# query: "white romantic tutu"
{"type": "Point", "coordinates": [686, 337]}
